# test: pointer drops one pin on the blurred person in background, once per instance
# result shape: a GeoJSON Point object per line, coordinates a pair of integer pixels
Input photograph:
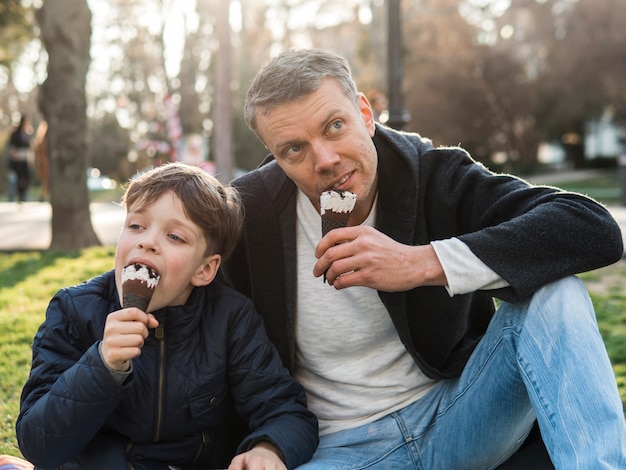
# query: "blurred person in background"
{"type": "Point", "coordinates": [21, 157]}
{"type": "Point", "coordinates": [41, 160]}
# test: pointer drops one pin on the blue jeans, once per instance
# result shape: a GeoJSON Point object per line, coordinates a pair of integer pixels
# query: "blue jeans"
{"type": "Point", "coordinates": [542, 358]}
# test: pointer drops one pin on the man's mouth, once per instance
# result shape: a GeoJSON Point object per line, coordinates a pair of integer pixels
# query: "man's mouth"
{"type": "Point", "coordinates": [340, 182]}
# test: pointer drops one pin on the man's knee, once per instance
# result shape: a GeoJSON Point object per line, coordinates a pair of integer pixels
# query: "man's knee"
{"type": "Point", "coordinates": [563, 297]}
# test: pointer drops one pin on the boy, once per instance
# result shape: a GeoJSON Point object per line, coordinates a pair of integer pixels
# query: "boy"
{"type": "Point", "coordinates": [114, 387]}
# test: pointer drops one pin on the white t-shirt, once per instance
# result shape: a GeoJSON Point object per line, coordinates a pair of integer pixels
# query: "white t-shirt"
{"type": "Point", "coordinates": [349, 357]}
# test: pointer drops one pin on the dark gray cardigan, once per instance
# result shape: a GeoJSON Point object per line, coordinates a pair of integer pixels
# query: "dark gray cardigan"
{"type": "Point", "coordinates": [529, 235]}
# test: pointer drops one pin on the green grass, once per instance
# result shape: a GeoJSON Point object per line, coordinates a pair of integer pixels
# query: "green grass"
{"type": "Point", "coordinates": [29, 280]}
{"type": "Point", "coordinates": [605, 187]}
{"type": "Point", "coordinates": [607, 287]}
{"type": "Point", "coordinates": [27, 283]}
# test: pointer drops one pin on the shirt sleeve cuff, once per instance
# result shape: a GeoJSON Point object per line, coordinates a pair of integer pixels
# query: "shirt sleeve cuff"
{"type": "Point", "coordinates": [464, 271]}
{"type": "Point", "coordinates": [119, 376]}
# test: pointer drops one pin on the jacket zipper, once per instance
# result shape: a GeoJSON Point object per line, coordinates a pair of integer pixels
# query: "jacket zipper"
{"type": "Point", "coordinates": [205, 439]}
{"type": "Point", "coordinates": [159, 334]}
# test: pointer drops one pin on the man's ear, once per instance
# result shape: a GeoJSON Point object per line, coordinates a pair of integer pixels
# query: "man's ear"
{"type": "Point", "coordinates": [367, 113]}
{"type": "Point", "coordinates": [207, 270]}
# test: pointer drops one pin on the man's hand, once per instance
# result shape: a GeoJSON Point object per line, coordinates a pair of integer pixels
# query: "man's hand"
{"type": "Point", "coordinates": [363, 256]}
{"type": "Point", "coordinates": [124, 333]}
{"type": "Point", "coordinates": [263, 456]}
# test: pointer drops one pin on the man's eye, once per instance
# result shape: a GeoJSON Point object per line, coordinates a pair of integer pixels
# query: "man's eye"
{"type": "Point", "coordinates": [336, 125]}
{"type": "Point", "coordinates": [294, 149]}
{"type": "Point", "coordinates": [293, 154]}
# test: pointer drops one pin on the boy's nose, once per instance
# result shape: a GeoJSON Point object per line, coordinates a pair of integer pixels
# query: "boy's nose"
{"type": "Point", "coordinates": [147, 242]}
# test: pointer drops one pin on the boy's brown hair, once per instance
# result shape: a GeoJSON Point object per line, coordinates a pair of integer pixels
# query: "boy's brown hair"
{"type": "Point", "coordinates": [209, 204]}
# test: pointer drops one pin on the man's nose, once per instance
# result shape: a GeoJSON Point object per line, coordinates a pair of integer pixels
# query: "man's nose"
{"type": "Point", "coordinates": [325, 156]}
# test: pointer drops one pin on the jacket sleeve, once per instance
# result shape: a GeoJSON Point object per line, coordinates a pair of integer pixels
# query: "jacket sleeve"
{"type": "Point", "coordinates": [267, 397]}
{"type": "Point", "coordinates": [529, 235]}
{"type": "Point", "coordinates": [69, 393]}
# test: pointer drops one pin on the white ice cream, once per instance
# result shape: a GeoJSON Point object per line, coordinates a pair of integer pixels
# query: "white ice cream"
{"type": "Point", "coordinates": [337, 202]}
{"type": "Point", "coordinates": [143, 274]}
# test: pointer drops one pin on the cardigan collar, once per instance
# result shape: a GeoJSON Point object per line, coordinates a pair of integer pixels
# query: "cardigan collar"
{"type": "Point", "coordinates": [271, 228]}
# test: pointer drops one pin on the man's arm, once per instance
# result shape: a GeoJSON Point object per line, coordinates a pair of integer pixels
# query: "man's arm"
{"type": "Point", "coordinates": [528, 235]}
{"type": "Point", "coordinates": [464, 271]}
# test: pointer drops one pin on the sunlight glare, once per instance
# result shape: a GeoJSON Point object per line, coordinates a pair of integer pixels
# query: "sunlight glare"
{"type": "Point", "coordinates": [181, 19]}
{"type": "Point", "coordinates": [177, 18]}
{"type": "Point", "coordinates": [365, 14]}
{"type": "Point", "coordinates": [29, 70]}
{"type": "Point", "coordinates": [477, 11]}
{"type": "Point", "coordinates": [507, 31]}
{"type": "Point", "coordinates": [235, 16]}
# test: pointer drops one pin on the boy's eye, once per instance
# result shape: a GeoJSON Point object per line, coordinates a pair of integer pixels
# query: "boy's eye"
{"type": "Point", "coordinates": [134, 226]}
{"type": "Point", "coordinates": [175, 237]}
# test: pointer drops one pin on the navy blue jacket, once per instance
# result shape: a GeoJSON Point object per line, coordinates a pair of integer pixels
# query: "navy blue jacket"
{"type": "Point", "coordinates": [529, 235]}
{"type": "Point", "coordinates": [207, 365]}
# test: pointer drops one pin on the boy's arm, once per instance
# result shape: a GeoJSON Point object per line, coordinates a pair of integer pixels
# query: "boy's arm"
{"type": "Point", "coordinates": [69, 392]}
{"type": "Point", "coordinates": [269, 400]}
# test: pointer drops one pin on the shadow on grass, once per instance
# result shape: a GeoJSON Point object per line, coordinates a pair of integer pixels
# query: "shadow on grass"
{"type": "Point", "coordinates": [15, 267]}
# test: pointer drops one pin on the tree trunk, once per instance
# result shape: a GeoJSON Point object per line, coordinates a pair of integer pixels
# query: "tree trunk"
{"type": "Point", "coordinates": [66, 33]}
{"type": "Point", "coordinates": [222, 110]}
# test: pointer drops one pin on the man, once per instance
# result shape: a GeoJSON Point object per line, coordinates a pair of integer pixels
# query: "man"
{"type": "Point", "coordinates": [403, 359]}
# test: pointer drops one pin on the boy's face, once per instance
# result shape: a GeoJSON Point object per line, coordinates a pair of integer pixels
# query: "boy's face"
{"type": "Point", "coordinates": [162, 237]}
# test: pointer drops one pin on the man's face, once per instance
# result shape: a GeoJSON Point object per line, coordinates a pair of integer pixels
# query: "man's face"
{"type": "Point", "coordinates": [324, 141]}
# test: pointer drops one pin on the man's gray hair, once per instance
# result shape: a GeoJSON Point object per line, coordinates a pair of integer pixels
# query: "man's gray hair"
{"type": "Point", "coordinates": [292, 75]}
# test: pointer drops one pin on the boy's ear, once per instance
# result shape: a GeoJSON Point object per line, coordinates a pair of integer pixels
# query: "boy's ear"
{"type": "Point", "coordinates": [207, 270]}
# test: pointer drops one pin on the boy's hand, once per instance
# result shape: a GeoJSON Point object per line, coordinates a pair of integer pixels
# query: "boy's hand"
{"type": "Point", "coordinates": [124, 334]}
{"type": "Point", "coordinates": [263, 456]}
